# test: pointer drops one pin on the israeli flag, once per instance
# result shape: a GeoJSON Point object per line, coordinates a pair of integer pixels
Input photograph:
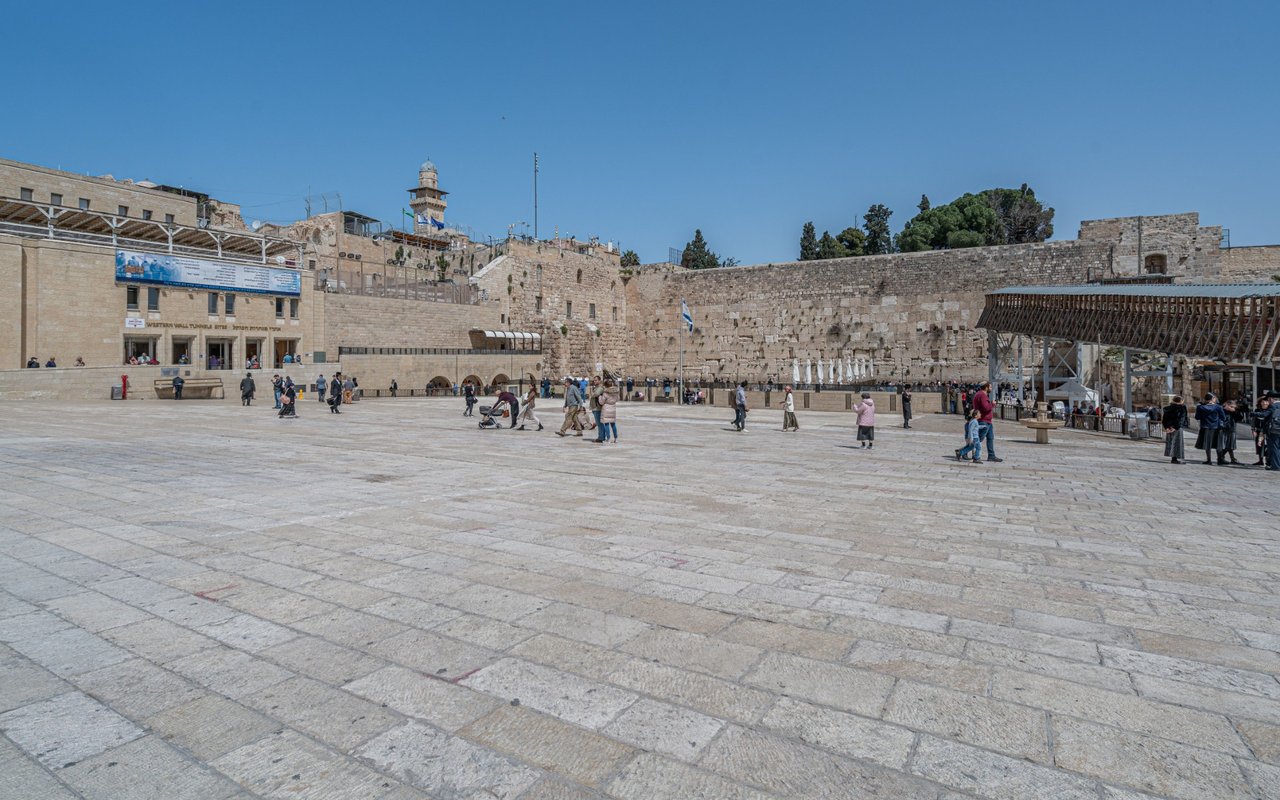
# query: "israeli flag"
{"type": "Point", "coordinates": [685, 315]}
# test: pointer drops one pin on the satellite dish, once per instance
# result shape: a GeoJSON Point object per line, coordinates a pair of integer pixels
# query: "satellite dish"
{"type": "Point", "coordinates": [256, 224]}
{"type": "Point", "coordinates": [280, 260]}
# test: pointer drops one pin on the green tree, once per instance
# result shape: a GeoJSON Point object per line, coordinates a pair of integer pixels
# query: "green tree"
{"type": "Point", "coordinates": [808, 243]}
{"type": "Point", "coordinates": [923, 205]}
{"type": "Point", "coordinates": [697, 255]}
{"type": "Point", "coordinates": [853, 240]}
{"type": "Point", "coordinates": [630, 259]}
{"type": "Point", "coordinates": [967, 221]}
{"type": "Point", "coordinates": [876, 224]}
{"type": "Point", "coordinates": [828, 247]}
{"type": "Point", "coordinates": [1022, 217]}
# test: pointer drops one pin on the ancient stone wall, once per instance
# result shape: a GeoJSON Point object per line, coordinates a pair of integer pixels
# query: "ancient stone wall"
{"type": "Point", "coordinates": [913, 314]}
{"type": "Point", "coordinates": [1250, 264]}
{"type": "Point", "coordinates": [576, 300]}
{"type": "Point", "coordinates": [1171, 244]}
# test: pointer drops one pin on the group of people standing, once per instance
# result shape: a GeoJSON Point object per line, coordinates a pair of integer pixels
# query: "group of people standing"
{"type": "Point", "coordinates": [598, 409]}
{"type": "Point", "coordinates": [1219, 429]}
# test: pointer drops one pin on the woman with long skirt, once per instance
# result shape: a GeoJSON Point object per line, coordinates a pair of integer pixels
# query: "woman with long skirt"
{"type": "Point", "coordinates": [1173, 420]}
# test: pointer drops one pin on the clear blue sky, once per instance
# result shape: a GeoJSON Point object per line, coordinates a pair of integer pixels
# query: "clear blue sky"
{"type": "Point", "coordinates": [744, 119]}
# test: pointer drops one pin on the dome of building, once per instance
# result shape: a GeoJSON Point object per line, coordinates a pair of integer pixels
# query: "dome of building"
{"type": "Point", "coordinates": [427, 166]}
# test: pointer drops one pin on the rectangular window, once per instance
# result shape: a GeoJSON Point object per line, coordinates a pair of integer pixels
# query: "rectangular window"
{"type": "Point", "coordinates": [279, 308]}
{"type": "Point", "coordinates": [84, 204]}
{"type": "Point", "coordinates": [568, 308]}
{"type": "Point", "coordinates": [153, 298]}
{"type": "Point", "coordinates": [293, 308]}
{"type": "Point", "coordinates": [213, 303]}
{"type": "Point", "coordinates": [146, 213]}
{"type": "Point", "coordinates": [231, 305]}
{"type": "Point", "coordinates": [537, 304]}
{"type": "Point", "coordinates": [615, 313]}
{"type": "Point", "coordinates": [311, 263]}
{"type": "Point", "coordinates": [168, 218]}
{"type": "Point", "coordinates": [131, 298]}
{"type": "Point", "coordinates": [122, 211]}
{"type": "Point", "coordinates": [26, 194]}
{"type": "Point", "coordinates": [591, 311]}
{"type": "Point", "coordinates": [55, 198]}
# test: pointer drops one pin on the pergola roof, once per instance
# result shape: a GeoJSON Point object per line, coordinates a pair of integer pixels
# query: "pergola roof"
{"type": "Point", "coordinates": [27, 218]}
{"type": "Point", "coordinates": [1237, 323]}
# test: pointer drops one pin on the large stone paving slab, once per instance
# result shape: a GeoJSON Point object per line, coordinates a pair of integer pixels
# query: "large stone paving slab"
{"type": "Point", "coordinates": [201, 600]}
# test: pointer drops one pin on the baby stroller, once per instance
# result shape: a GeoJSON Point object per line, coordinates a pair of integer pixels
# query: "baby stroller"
{"type": "Point", "coordinates": [490, 415]}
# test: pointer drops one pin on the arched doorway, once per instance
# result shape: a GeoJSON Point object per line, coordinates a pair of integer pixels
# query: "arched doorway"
{"type": "Point", "coordinates": [439, 385]}
{"type": "Point", "coordinates": [1156, 264]}
{"type": "Point", "coordinates": [500, 382]}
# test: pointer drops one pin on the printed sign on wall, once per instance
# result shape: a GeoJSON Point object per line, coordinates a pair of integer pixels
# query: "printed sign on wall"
{"type": "Point", "coordinates": [199, 273]}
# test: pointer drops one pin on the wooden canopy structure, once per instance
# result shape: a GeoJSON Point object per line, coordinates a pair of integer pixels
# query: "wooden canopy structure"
{"type": "Point", "coordinates": [1234, 323]}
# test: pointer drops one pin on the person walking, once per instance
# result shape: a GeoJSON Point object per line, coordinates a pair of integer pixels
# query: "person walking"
{"type": "Point", "coordinates": [572, 404]}
{"type": "Point", "coordinates": [335, 393]}
{"type": "Point", "coordinates": [608, 413]}
{"type": "Point", "coordinates": [177, 387]}
{"type": "Point", "coordinates": [247, 390]}
{"type": "Point", "coordinates": [906, 406]}
{"type": "Point", "coordinates": [1234, 413]}
{"type": "Point", "coordinates": [1258, 425]}
{"type": "Point", "coordinates": [866, 420]}
{"type": "Point", "coordinates": [1173, 419]}
{"type": "Point", "coordinates": [594, 390]}
{"type": "Point", "coordinates": [469, 395]}
{"type": "Point", "coordinates": [289, 400]}
{"type": "Point", "coordinates": [972, 440]}
{"type": "Point", "coordinates": [321, 385]}
{"type": "Point", "coordinates": [1212, 420]}
{"type": "Point", "coordinates": [986, 428]}
{"type": "Point", "coordinates": [1271, 424]}
{"type": "Point", "coordinates": [277, 388]}
{"type": "Point", "coordinates": [348, 389]}
{"type": "Point", "coordinates": [527, 415]}
{"type": "Point", "coordinates": [789, 422]}
{"type": "Point", "coordinates": [740, 407]}
{"type": "Point", "coordinates": [395, 387]}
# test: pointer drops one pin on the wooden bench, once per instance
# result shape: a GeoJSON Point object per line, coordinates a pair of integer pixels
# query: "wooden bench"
{"type": "Point", "coordinates": [192, 388]}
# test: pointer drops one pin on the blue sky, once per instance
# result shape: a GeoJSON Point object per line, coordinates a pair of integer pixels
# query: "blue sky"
{"type": "Point", "coordinates": [744, 119]}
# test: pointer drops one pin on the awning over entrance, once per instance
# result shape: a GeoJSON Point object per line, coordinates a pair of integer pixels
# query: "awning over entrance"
{"type": "Point", "coordinates": [506, 340]}
{"type": "Point", "coordinates": [520, 336]}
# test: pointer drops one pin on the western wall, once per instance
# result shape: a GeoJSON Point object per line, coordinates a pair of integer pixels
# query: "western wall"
{"type": "Point", "coordinates": [911, 314]}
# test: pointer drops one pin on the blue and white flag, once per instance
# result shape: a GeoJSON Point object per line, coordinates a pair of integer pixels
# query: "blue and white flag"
{"type": "Point", "coordinates": [685, 315]}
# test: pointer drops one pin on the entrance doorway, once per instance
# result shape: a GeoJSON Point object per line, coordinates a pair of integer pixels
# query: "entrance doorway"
{"type": "Point", "coordinates": [253, 352]}
{"type": "Point", "coordinates": [285, 347]}
{"type": "Point", "coordinates": [142, 348]}
{"type": "Point", "coordinates": [217, 354]}
{"type": "Point", "coordinates": [181, 351]}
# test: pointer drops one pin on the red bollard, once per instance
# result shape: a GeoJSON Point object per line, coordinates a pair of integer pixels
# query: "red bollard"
{"type": "Point", "coordinates": [124, 387]}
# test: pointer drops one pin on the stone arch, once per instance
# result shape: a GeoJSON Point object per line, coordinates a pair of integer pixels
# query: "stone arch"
{"type": "Point", "coordinates": [474, 380]}
{"type": "Point", "coordinates": [1156, 264]}
{"type": "Point", "coordinates": [440, 382]}
{"type": "Point", "coordinates": [499, 381]}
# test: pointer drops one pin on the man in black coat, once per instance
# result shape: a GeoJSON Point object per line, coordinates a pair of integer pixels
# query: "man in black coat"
{"type": "Point", "coordinates": [247, 390]}
{"type": "Point", "coordinates": [1269, 421]}
{"type": "Point", "coordinates": [177, 387]}
{"type": "Point", "coordinates": [335, 393]}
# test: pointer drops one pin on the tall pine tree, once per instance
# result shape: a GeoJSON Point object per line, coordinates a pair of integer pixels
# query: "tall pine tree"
{"type": "Point", "coordinates": [876, 224]}
{"type": "Point", "coordinates": [808, 243]}
{"type": "Point", "coordinates": [697, 255]}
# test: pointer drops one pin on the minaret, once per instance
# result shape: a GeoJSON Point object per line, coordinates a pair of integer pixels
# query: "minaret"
{"type": "Point", "coordinates": [426, 199]}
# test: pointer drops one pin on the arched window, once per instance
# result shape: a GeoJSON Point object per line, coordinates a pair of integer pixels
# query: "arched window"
{"type": "Point", "coordinates": [579, 276]}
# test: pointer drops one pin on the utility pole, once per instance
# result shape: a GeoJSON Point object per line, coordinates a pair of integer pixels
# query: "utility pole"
{"type": "Point", "coordinates": [535, 194]}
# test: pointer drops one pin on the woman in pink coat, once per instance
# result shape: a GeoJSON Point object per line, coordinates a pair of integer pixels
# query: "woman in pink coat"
{"type": "Point", "coordinates": [866, 421]}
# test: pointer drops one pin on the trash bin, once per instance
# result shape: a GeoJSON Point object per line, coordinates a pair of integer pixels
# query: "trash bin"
{"type": "Point", "coordinates": [1139, 426]}
{"type": "Point", "coordinates": [117, 392]}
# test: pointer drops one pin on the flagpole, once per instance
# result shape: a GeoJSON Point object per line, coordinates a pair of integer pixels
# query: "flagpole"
{"type": "Point", "coordinates": [680, 379]}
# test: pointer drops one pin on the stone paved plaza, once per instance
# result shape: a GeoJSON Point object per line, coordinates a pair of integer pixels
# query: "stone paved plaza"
{"type": "Point", "coordinates": [203, 601]}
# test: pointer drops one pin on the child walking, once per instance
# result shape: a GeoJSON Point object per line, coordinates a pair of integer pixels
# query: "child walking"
{"type": "Point", "coordinates": [972, 443]}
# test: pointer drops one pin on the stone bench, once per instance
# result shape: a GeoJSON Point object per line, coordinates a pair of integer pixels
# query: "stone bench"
{"type": "Point", "coordinates": [193, 388]}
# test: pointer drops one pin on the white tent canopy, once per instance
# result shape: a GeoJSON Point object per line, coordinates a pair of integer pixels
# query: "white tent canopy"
{"type": "Point", "coordinates": [1071, 391]}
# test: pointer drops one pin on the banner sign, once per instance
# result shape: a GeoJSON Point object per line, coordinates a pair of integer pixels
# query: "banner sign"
{"type": "Point", "coordinates": [199, 273]}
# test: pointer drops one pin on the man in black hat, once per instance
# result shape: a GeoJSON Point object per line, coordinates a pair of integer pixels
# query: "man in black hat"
{"type": "Point", "coordinates": [1269, 422]}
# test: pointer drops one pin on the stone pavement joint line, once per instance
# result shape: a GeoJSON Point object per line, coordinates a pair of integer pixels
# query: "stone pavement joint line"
{"type": "Point", "coordinates": [204, 601]}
